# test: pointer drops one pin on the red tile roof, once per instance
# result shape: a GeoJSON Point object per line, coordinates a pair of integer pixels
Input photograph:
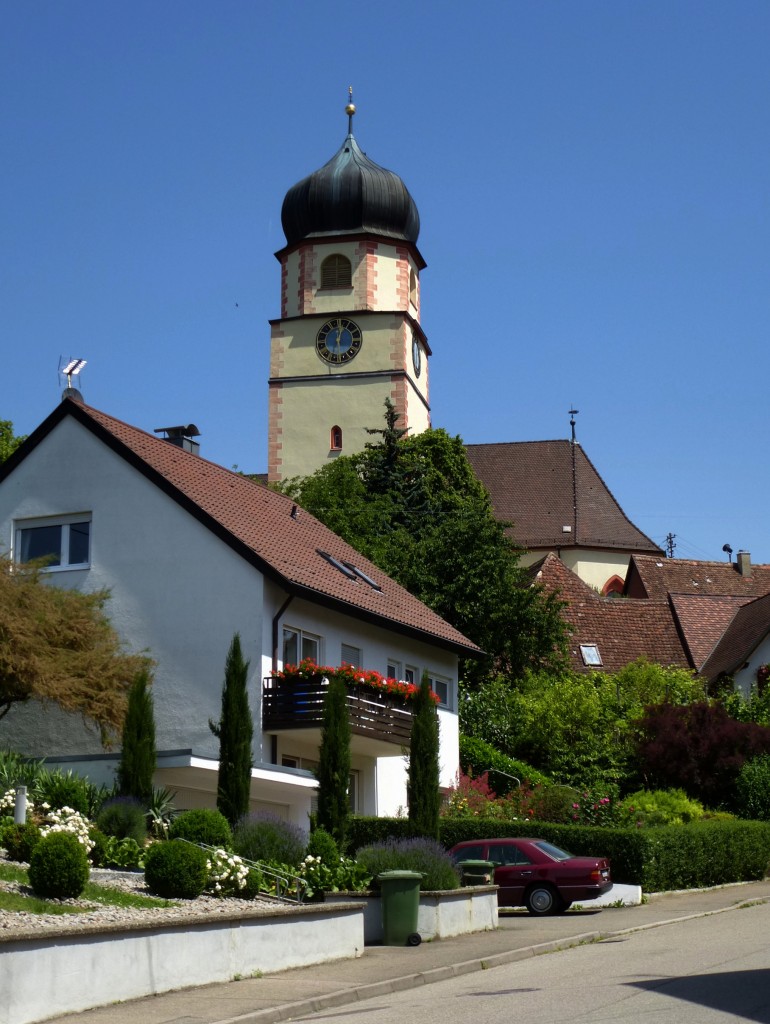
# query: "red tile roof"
{"type": "Point", "coordinates": [750, 625]}
{"type": "Point", "coordinates": [258, 524]}
{"type": "Point", "coordinates": [622, 629]}
{"type": "Point", "coordinates": [656, 577]}
{"type": "Point", "coordinates": [536, 486]}
{"type": "Point", "coordinates": [703, 618]}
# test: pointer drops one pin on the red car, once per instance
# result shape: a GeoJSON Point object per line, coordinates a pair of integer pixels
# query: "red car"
{"type": "Point", "coordinates": [535, 874]}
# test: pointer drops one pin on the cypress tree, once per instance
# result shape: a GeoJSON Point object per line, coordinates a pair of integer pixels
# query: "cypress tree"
{"type": "Point", "coordinates": [424, 795]}
{"type": "Point", "coordinates": [137, 759]}
{"type": "Point", "coordinates": [234, 730]}
{"type": "Point", "coordinates": [334, 762]}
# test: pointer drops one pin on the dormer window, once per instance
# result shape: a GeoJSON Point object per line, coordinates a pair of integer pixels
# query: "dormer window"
{"type": "Point", "coordinates": [336, 272]}
{"type": "Point", "coordinates": [335, 442]}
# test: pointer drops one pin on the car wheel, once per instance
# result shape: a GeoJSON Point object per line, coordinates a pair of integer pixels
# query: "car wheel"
{"type": "Point", "coordinates": [542, 900]}
{"type": "Point", "coordinates": [564, 906]}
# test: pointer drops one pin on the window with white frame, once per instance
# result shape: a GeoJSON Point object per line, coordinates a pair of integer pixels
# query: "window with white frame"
{"type": "Point", "coordinates": [298, 645]}
{"type": "Point", "coordinates": [64, 541]}
{"type": "Point", "coordinates": [411, 674]}
{"type": "Point", "coordinates": [351, 656]}
{"type": "Point", "coordinates": [393, 669]}
{"type": "Point", "coordinates": [442, 687]}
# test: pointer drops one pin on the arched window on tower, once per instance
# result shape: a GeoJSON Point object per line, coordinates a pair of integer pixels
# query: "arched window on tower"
{"type": "Point", "coordinates": [336, 439]}
{"type": "Point", "coordinates": [413, 288]}
{"type": "Point", "coordinates": [613, 587]}
{"type": "Point", "coordinates": [336, 272]}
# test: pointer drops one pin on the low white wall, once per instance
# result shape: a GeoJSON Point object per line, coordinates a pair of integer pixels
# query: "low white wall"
{"type": "Point", "coordinates": [439, 915]}
{"type": "Point", "coordinates": [49, 975]}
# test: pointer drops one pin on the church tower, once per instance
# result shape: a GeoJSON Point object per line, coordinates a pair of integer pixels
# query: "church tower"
{"type": "Point", "coordinates": [349, 334]}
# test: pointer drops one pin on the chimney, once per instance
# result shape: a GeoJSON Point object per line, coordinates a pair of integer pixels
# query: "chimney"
{"type": "Point", "coordinates": [743, 563]}
{"type": "Point", "coordinates": [181, 437]}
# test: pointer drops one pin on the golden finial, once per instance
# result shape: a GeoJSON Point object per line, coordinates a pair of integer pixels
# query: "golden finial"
{"type": "Point", "coordinates": [350, 109]}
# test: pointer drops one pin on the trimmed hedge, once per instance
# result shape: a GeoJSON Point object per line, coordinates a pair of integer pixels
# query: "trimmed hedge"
{"type": "Point", "coordinates": [671, 857]}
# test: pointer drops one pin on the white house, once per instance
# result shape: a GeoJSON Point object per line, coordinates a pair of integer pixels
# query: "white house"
{"type": "Point", "coordinates": [191, 553]}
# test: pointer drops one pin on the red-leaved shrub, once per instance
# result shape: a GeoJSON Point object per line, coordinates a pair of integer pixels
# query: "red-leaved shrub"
{"type": "Point", "coordinates": [698, 748]}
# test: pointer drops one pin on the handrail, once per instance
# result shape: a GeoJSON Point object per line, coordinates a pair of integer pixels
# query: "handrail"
{"type": "Point", "coordinates": [280, 878]}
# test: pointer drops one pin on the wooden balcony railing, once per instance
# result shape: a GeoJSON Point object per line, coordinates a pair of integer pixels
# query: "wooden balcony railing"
{"type": "Point", "coordinates": [298, 704]}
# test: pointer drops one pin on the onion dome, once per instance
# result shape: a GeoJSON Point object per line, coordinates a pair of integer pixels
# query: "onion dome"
{"type": "Point", "coordinates": [350, 194]}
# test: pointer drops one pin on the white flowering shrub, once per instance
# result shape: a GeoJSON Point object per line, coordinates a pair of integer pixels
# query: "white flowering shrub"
{"type": "Point", "coordinates": [8, 803]}
{"type": "Point", "coordinates": [227, 873]}
{"type": "Point", "coordinates": [67, 820]}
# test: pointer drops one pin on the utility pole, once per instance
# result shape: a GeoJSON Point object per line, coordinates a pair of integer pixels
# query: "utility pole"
{"type": "Point", "coordinates": [670, 545]}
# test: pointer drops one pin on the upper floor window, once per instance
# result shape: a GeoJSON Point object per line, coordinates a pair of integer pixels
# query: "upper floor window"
{"type": "Point", "coordinates": [336, 272]}
{"type": "Point", "coordinates": [413, 287]}
{"type": "Point", "coordinates": [298, 645]}
{"type": "Point", "coordinates": [441, 687]}
{"type": "Point", "coordinates": [351, 656]}
{"type": "Point", "coordinates": [64, 542]}
{"type": "Point", "coordinates": [335, 442]}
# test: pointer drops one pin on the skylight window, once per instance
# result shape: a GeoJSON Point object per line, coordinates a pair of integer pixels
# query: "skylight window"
{"type": "Point", "coordinates": [348, 569]}
{"type": "Point", "coordinates": [590, 654]}
{"type": "Point", "coordinates": [337, 564]}
{"type": "Point", "coordinates": [362, 576]}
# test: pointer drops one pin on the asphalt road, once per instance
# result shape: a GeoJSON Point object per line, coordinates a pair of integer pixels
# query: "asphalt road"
{"type": "Point", "coordinates": [707, 970]}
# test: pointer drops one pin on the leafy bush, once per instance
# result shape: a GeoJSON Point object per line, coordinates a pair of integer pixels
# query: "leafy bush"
{"type": "Point", "coordinates": [414, 854]}
{"type": "Point", "coordinates": [659, 807]}
{"type": "Point", "coordinates": [58, 867]}
{"type": "Point", "coordinates": [65, 789]}
{"type": "Point", "coordinates": [111, 852]}
{"type": "Point", "coordinates": [478, 757]}
{"type": "Point", "coordinates": [228, 875]}
{"type": "Point", "coordinates": [202, 826]}
{"type": "Point", "coordinates": [322, 845]}
{"type": "Point", "coordinates": [20, 840]}
{"type": "Point", "coordinates": [752, 789]}
{"type": "Point", "coordinates": [124, 818]}
{"type": "Point", "coordinates": [176, 870]}
{"type": "Point", "coordinates": [266, 837]}
{"type": "Point", "coordinates": [697, 748]}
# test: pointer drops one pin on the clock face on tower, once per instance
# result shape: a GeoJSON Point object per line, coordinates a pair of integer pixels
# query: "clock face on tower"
{"type": "Point", "coordinates": [338, 341]}
{"type": "Point", "coordinates": [416, 357]}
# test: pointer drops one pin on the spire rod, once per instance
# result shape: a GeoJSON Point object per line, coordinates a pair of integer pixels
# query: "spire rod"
{"type": "Point", "coordinates": [350, 109]}
{"type": "Point", "coordinates": [573, 413]}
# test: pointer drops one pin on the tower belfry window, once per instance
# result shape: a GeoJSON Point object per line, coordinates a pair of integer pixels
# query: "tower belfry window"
{"type": "Point", "coordinates": [336, 272]}
{"type": "Point", "coordinates": [413, 287]}
{"type": "Point", "coordinates": [336, 439]}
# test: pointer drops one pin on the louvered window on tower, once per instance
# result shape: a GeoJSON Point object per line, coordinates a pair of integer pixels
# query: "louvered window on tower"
{"type": "Point", "coordinates": [336, 272]}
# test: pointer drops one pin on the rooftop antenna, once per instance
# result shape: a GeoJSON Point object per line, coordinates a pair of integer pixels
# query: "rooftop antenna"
{"type": "Point", "coordinates": [350, 109]}
{"type": "Point", "coordinates": [573, 413]}
{"type": "Point", "coordinates": [670, 545]}
{"type": "Point", "coordinates": [70, 369]}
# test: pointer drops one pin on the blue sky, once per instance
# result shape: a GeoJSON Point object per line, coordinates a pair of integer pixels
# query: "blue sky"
{"type": "Point", "coordinates": [593, 185]}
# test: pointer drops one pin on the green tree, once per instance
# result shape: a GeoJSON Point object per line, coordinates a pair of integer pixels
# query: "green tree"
{"type": "Point", "coordinates": [234, 730]}
{"type": "Point", "coordinates": [138, 755]}
{"type": "Point", "coordinates": [334, 762]}
{"type": "Point", "coordinates": [423, 791]}
{"type": "Point", "coordinates": [58, 646]}
{"type": "Point", "coordinates": [414, 507]}
{"type": "Point", "coordinates": [8, 441]}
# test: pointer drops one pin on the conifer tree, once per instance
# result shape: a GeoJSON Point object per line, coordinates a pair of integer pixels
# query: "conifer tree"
{"type": "Point", "coordinates": [334, 762]}
{"type": "Point", "coordinates": [234, 730]}
{"type": "Point", "coordinates": [424, 795]}
{"type": "Point", "coordinates": [137, 759]}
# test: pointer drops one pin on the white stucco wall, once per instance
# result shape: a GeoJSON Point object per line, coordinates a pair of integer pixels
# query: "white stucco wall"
{"type": "Point", "coordinates": [746, 678]}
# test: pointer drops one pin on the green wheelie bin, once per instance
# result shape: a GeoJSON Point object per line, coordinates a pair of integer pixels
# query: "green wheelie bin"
{"type": "Point", "coordinates": [400, 903]}
{"type": "Point", "coordinates": [477, 872]}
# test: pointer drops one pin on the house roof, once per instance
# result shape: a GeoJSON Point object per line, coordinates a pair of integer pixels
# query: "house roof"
{"type": "Point", "coordinates": [703, 619]}
{"type": "Point", "coordinates": [259, 525]}
{"type": "Point", "coordinates": [750, 625]}
{"type": "Point", "coordinates": [622, 630]}
{"type": "Point", "coordinates": [540, 487]}
{"type": "Point", "coordinates": [656, 577]}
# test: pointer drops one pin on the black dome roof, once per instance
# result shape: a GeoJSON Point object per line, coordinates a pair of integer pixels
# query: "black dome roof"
{"type": "Point", "coordinates": [350, 194]}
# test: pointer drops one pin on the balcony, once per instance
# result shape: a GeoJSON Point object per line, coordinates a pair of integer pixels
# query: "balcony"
{"type": "Point", "coordinates": [380, 723]}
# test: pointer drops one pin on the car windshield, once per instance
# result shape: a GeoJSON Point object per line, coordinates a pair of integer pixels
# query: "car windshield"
{"type": "Point", "coordinates": [553, 851]}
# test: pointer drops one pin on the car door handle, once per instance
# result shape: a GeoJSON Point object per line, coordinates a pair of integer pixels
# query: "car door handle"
{"type": "Point", "coordinates": [526, 874]}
